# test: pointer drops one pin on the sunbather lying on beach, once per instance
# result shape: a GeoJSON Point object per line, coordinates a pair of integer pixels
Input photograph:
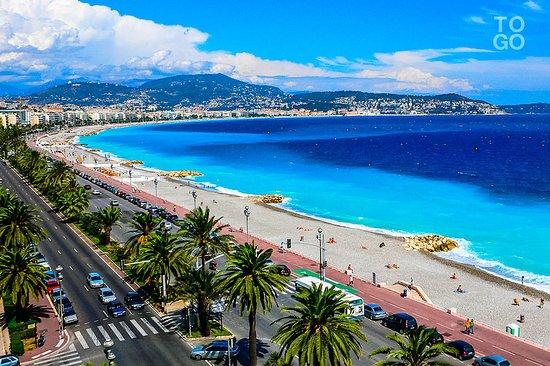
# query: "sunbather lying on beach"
{"type": "Point", "coordinates": [392, 266]}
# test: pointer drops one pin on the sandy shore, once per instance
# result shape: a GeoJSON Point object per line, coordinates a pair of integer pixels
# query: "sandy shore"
{"type": "Point", "coordinates": [487, 299]}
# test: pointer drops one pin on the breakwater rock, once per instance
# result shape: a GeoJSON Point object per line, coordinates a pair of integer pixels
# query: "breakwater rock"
{"type": "Point", "coordinates": [429, 243]}
{"type": "Point", "coordinates": [182, 174]}
{"type": "Point", "coordinates": [269, 198]}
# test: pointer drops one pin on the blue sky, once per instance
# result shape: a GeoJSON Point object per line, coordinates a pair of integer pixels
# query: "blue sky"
{"type": "Point", "coordinates": [422, 47]}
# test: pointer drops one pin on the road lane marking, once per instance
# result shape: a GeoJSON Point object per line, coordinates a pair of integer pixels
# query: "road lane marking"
{"type": "Point", "coordinates": [157, 321]}
{"type": "Point", "coordinates": [59, 252]}
{"type": "Point", "coordinates": [138, 327]}
{"type": "Point", "coordinates": [64, 237]}
{"type": "Point", "coordinates": [477, 339]}
{"type": "Point", "coordinates": [93, 336]}
{"type": "Point", "coordinates": [127, 329]}
{"type": "Point", "coordinates": [116, 331]}
{"type": "Point", "coordinates": [536, 363]}
{"type": "Point", "coordinates": [55, 227]}
{"type": "Point", "coordinates": [106, 315]}
{"type": "Point", "coordinates": [103, 332]}
{"type": "Point", "coordinates": [149, 326]}
{"type": "Point", "coordinates": [71, 268]}
{"type": "Point", "coordinates": [87, 289]}
{"type": "Point", "coordinates": [50, 239]}
{"type": "Point", "coordinates": [81, 339]}
{"type": "Point", "coordinates": [76, 251]}
{"type": "Point", "coordinates": [504, 350]}
{"type": "Point", "coordinates": [88, 264]}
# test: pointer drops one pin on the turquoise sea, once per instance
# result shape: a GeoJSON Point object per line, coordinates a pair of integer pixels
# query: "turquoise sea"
{"type": "Point", "coordinates": [482, 179]}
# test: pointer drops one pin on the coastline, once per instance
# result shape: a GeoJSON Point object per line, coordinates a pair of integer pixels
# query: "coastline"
{"type": "Point", "coordinates": [427, 262]}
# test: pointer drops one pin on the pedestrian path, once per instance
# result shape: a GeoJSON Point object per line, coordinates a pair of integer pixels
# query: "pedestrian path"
{"type": "Point", "coordinates": [123, 330]}
{"type": "Point", "coordinates": [70, 357]}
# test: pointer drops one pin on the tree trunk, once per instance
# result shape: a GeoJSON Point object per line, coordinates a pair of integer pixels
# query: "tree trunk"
{"type": "Point", "coordinates": [107, 236]}
{"type": "Point", "coordinates": [252, 336]}
{"type": "Point", "coordinates": [203, 317]}
{"type": "Point", "coordinates": [203, 262]}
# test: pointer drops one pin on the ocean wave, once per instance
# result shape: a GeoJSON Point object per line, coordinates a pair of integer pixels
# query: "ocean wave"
{"type": "Point", "coordinates": [465, 255]}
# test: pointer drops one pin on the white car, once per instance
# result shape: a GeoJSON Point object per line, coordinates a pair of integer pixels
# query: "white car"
{"type": "Point", "coordinates": [167, 225]}
{"type": "Point", "coordinates": [106, 295]}
{"type": "Point", "coordinates": [69, 317]}
{"type": "Point", "coordinates": [95, 192]}
{"type": "Point", "coordinates": [114, 203]}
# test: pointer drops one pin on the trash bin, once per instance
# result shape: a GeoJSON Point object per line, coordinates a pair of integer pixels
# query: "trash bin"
{"type": "Point", "coordinates": [513, 329]}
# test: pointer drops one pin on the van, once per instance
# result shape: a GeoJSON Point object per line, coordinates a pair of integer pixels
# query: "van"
{"type": "Point", "coordinates": [400, 322]}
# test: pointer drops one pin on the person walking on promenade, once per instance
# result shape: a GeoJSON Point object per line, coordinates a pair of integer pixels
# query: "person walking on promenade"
{"type": "Point", "coordinates": [349, 272]}
{"type": "Point", "coordinates": [467, 325]}
{"type": "Point", "coordinates": [174, 208]}
{"type": "Point", "coordinates": [541, 305]}
{"type": "Point", "coordinates": [472, 326]}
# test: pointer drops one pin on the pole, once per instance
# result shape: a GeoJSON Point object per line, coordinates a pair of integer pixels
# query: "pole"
{"type": "Point", "coordinates": [61, 311]}
{"type": "Point", "coordinates": [156, 181]}
{"type": "Point", "coordinates": [324, 255]}
{"type": "Point", "coordinates": [320, 232]}
{"type": "Point", "coordinates": [189, 318]}
{"type": "Point", "coordinates": [163, 292]}
{"type": "Point", "coordinates": [246, 215]}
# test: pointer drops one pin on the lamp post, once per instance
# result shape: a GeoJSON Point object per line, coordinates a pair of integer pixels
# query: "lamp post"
{"type": "Point", "coordinates": [130, 175]}
{"type": "Point", "coordinates": [194, 194]}
{"type": "Point", "coordinates": [108, 352]}
{"type": "Point", "coordinates": [322, 250]}
{"type": "Point", "coordinates": [59, 270]}
{"type": "Point", "coordinates": [246, 215]}
{"type": "Point", "coordinates": [156, 181]}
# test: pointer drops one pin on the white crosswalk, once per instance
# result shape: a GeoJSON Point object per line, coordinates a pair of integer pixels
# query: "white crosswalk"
{"type": "Point", "coordinates": [70, 357]}
{"type": "Point", "coordinates": [289, 289]}
{"type": "Point", "coordinates": [121, 331]}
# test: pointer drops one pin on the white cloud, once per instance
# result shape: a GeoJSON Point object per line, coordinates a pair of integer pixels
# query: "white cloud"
{"type": "Point", "coordinates": [476, 19]}
{"type": "Point", "coordinates": [533, 5]}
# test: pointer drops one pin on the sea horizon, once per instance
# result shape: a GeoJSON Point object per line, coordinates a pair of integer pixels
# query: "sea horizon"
{"type": "Point", "coordinates": [491, 198]}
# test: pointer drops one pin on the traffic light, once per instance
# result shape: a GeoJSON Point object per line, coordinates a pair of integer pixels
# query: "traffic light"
{"type": "Point", "coordinates": [288, 243]}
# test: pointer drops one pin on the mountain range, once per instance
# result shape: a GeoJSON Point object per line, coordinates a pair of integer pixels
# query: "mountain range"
{"type": "Point", "coordinates": [221, 92]}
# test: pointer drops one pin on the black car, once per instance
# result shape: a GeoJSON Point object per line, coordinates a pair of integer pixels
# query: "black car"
{"type": "Point", "coordinates": [436, 337]}
{"type": "Point", "coordinates": [116, 309]}
{"type": "Point", "coordinates": [464, 350]}
{"type": "Point", "coordinates": [87, 187]}
{"type": "Point", "coordinates": [283, 270]}
{"type": "Point", "coordinates": [134, 301]}
{"type": "Point", "coordinates": [400, 322]}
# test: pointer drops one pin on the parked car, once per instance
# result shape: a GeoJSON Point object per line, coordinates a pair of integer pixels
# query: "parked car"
{"type": "Point", "coordinates": [69, 317]}
{"type": "Point", "coordinates": [134, 301]}
{"type": "Point", "coordinates": [106, 295]}
{"type": "Point", "coordinates": [167, 225]}
{"type": "Point", "coordinates": [87, 187]}
{"type": "Point", "coordinates": [116, 309]}
{"type": "Point", "coordinates": [9, 360]}
{"type": "Point", "coordinates": [464, 350]}
{"type": "Point", "coordinates": [114, 203]}
{"type": "Point", "coordinates": [94, 280]}
{"type": "Point", "coordinates": [56, 294]}
{"type": "Point", "coordinates": [65, 302]}
{"type": "Point", "coordinates": [213, 351]}
{"type": "Point", "coordinates": [95, 192]}
{"type": "Point", "coordinates": [437, 337]}
{"type": "Point", "coordinates": [283, 270]}
{"type": "Point", "coordinates": [493, 360]}
{"type": "Point", "coordinates": [400, 322]}
{"type": "Point", "coordinates": [52, 284]}
{"type": "Point", "coordinates": [375, 312]}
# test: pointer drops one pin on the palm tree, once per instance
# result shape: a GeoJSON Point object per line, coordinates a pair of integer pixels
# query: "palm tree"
{"type": "Point", "coordinates": [6, 198]}
{"type": "Point", "coordinates": [144, 224]}
{"type": "Point", "coordinates": [73, 203]}
{"type": "Point", "coordinates": [319, 331]}
{"type": "Point", "coordinates": [57, 176]}
{"type": "Point", "coordinates": [201, 287]}
{"type": "Point", "coordinates": [19, 225]}
{"type": "Point", "coordinates": [106, 219]}
{"type": "Point", "coordinates": [20, 277]}
{"type": "Point", "coordinates": [275, 359]}
{"type": "Point", "coordinates": [202, 235]}
{"type": "Point", "coordinates": [415, 348]}
{"type": "Point", "coordinates": [30, 163]}
{"type": "Point", "coordinates": [250, 278]}
{"type": "Point", "coordinates": [162, 257]}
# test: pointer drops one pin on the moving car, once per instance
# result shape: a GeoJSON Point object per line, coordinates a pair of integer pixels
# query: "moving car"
{"type": "Point", "coordinates": [116, 309]}
{"type": "Point", "coordinates": [95, 192]}
{"type": "Point", "coordinates": [213, 351]}
{"type": "Point", "coordinates": [106, 295]}
{"type": "Point", "coordinates": [114, 203]}
{"type": "Point", "coordinates": [134, 301]}
{"type": "Point", "coordinates": [465, 350]}
{"type": "Point", "coordinates": [9, 360]}
{"type": "Point", "coordinates": [87, 187]}
{"type": "Point", "coordinates": [167, 225]}
{"type": "Point", "coordinates": [69, 317]}
{"type": "Point", "coordinates": [375, 312]}
{"type": "Point", "coordinates": [400, 322]}
{"type": "Point", "coordinates": [493, 360]}
{"type": "Point", "coordinates": [94, 280]}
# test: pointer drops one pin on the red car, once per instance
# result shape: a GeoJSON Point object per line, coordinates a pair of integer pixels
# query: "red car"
{"type": "Point", "coordinates": [52, 284]}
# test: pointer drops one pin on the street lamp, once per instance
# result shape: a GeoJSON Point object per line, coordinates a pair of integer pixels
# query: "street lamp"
{"type": "Point", "coordinates": [156, 181]}
{"type": "Point", "coordinates": [108, 352]}
{"type": "Point", "coordinates": [322, 249]}
{"type": "Point", "coordinates": [59, 270]}
{"type": "Point", "coordinates": [130, 175]}
{"type": "Point", "coordinates": [194, 194]}
{"type": "Point", "coordinates": [246, 215]}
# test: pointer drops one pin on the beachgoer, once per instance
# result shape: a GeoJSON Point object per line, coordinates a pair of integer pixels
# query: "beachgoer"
{"type": "Point", "coordinates": [467, 326]}
{"type": "Point", "coordinates": [382, 245]}
{"type": "Point", "coordinates": [525, 299]}
{"type": "Point", "coordinates": [412, 284]}
{"type": "Point", "coordinates": [541, 305]}
{"type": "Point", "coordinates": [472, 326]}
{"type": "Point", "coordinates": [454, 277]}
{"type": "Point", "coordinates": [174, 208]}
{"type": "Point", "coordinates": [516, 301]}
{"type": "Point", "coordinates": [459, 289]}
{"type": "Point", "coordinates": [349, 272]}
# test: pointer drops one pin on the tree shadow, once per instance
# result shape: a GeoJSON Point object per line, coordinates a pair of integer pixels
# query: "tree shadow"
{"type": "Point", "coordinates": [37, 312]}
{"type": "Point", "coordinates": [243, 358]}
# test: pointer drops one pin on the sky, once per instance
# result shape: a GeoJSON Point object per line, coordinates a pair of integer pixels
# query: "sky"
{"type": "Point", "coordinates": [492, 50]}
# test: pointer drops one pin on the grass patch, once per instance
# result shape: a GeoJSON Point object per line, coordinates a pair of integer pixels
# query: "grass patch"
{"type": "Point", "coordinates": [215, 331]}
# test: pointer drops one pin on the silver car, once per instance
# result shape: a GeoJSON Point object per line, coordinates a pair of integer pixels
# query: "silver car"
{"type": "Point", "coordinates": [106, 295]}
{"type": "Point", "coordinates": [375, 312]}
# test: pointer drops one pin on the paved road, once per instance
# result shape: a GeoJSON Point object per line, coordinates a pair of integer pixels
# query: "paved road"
{"type": "Point", "coordinates": [237, 324]}
{"type": "Point", "coordinates": [140, 338]}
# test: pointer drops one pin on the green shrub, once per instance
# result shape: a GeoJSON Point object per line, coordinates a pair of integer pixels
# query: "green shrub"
{"type": "Point", "coordinates": [16, 345]}
{"type": "Point", "coordinates": [27, 333]}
